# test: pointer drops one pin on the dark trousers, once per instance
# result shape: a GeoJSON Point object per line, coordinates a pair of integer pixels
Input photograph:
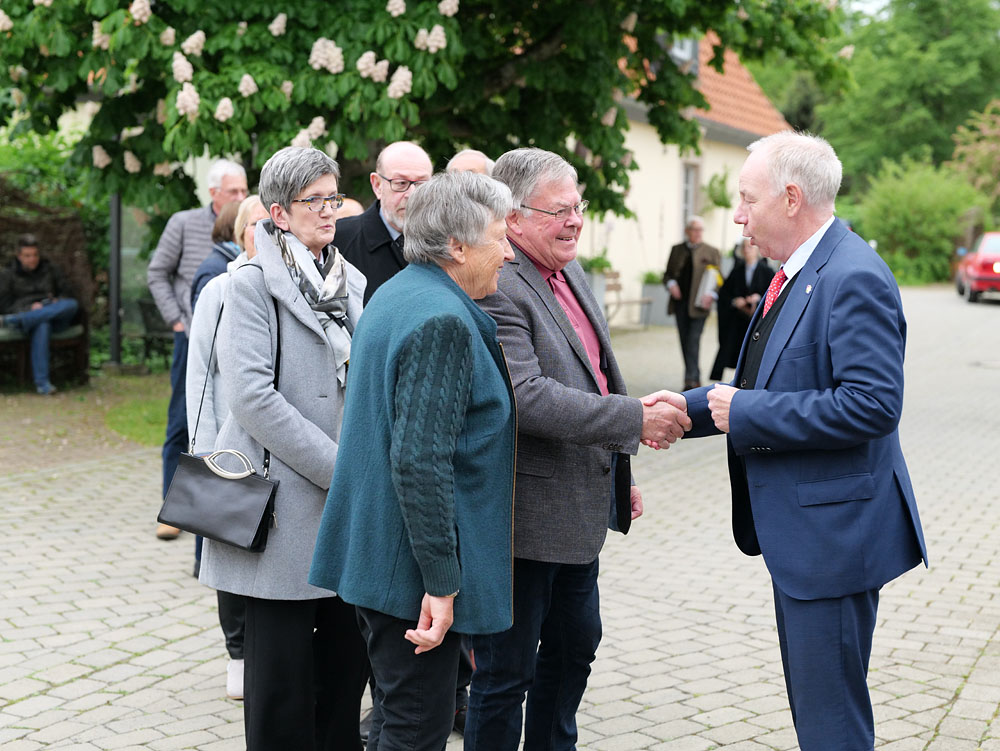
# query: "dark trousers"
{"type": "Point", "coordinates": [825, 648]}
{"type": "Point", "coordinates": [414, 702]}
{"type": "Point", "coordinates": [177, 432]}
{"type": "Point", "coordinates": [689, 330]}
{"type": "Point", "coordinates": [303, 675]}
{"type": "Point", "coordinates": [233, 619]}
{"type": "Point", "coordinates": [546, 654]}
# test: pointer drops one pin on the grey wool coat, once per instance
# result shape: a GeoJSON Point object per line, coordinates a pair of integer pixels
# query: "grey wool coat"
{"type": "Point", "coordinates": [566, 431]}
{"type": "Point", "coordinates": [299, 423]}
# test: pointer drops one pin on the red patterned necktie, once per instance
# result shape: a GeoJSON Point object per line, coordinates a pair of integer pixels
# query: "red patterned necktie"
{"type": "Point", "coordinates": [773, 290]}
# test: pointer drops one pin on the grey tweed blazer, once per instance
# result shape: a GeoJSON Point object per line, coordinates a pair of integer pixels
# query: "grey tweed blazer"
{"type": "Point", "coordinates": [567, 431]}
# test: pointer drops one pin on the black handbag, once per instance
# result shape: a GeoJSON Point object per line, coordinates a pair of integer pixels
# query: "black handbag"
{"type": "Point", "coordinates": [236, 508]}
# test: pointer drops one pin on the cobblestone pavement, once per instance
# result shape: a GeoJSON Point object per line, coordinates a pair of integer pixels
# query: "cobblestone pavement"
{"type": "Point", "coordinates": [108, 642]}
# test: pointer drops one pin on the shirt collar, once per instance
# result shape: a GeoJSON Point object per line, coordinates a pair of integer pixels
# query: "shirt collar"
{"type": "Point", "coordinates": [544, 270]}
{"type": "Point", "coordinates": [393, 232]}
{"type": "Point", "coordinates": [798, 259]}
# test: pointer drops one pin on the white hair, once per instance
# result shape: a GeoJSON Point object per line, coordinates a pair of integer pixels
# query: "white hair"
{"type": "Point", "coordinates": [524, 170]}
{"type": "Point", "coordinates": [692, 219]}
{"type": "Point", "coordinates": [487, 162]}
{"type": "Point", "coordinates": [221, 169]}
{"type": "Point", "coordinates": [805, 160]}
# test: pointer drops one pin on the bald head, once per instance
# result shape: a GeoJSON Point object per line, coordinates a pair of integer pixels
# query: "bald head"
{"type": "Point", "coordinates": [471, 160]}
{"type": "Point", "coordinates": [402, 164]}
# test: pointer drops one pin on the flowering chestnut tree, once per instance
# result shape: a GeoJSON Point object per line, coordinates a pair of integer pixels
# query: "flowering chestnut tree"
{"type": "Point", "coordinates": [174, 79]}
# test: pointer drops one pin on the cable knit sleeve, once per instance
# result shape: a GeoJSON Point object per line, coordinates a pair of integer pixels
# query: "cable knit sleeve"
{"type": "Point", "coordinates": [433, 383]}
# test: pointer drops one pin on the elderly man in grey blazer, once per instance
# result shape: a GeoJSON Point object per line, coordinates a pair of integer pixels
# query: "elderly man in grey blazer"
{"type": "Point", "coordinates": [576, 428]}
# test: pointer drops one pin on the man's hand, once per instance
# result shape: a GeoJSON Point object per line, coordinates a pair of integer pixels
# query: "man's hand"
{"type": "Point", "coordinates": [178, 327]}
{"type": "Point", "coordinates": [436, 617]}
{"type": "Point", "coordinates": [664, 418]}
{"type": "Point", "coordinates": [720, 397]}
{"type": "Point", "coordinates": [675, 291]}
{"type": "Point", "coordinates": [37, 306]}
{"type": "Point", "coordinates": [635, 496]}
{"type": "Point", "coordinates": [706, 302]}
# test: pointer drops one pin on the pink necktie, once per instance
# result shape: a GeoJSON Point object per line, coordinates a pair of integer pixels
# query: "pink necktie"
{"type": "Point", "coordinates": [773, 290]}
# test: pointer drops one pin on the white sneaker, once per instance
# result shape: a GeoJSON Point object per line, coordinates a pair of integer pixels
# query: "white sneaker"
{"type": "Point", "coordinates": [234, 679]}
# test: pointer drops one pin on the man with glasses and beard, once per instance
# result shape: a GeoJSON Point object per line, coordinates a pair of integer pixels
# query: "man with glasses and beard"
{"type": "Point", "coordinates": [373, 241]}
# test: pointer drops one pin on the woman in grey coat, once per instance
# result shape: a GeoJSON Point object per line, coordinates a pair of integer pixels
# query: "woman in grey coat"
{"type": "Point", "coordinates": [283, 347]}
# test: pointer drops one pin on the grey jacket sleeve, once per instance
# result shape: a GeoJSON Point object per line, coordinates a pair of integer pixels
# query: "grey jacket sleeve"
{"type": "Point", "coordinates": [246, 361]}
{"type": "Point", "coordinates": [546, 406]}
{"type": "Point", "coordinates": [163, 268]}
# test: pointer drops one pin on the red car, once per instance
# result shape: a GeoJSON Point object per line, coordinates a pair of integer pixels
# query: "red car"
{"type": "Point", "coordinates": [979, 271]}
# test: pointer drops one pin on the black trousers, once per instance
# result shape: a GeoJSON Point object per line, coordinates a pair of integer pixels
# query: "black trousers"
{"type": "Point", "coordinates": [303, 675]}
{"type": "Point", "coordinates": [414, 707]}
{"type": "Point", "coordinates": [232, 618]}
{"type": "Point", "coordinates": [689, 331]}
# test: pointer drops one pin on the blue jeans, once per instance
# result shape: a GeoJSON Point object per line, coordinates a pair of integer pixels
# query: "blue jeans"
{"type": "Point", "coordinates": [39, 325]}
{"type": "Point", "coordinates": [177, 429]}
{"type": "Point", "coordinates": [546, 654]}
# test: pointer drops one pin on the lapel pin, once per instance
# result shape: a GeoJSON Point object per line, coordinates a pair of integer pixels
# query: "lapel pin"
{"type": "Point", "coordinates": [809, 288]}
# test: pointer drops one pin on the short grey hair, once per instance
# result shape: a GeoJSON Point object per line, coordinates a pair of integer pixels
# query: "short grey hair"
{"type": "Point", "coordinates": [487, 162]}
{"type": "Point", "coordinates": [459, 205]}
{"type": "Point", "coordinates": [692, 219]}
{"type": "Point", "coordinates": [222, 168]}
{"type": "Point", "coordinates": [290, 171]}
{"type": "Point", "coordinates": [523, 170]}
{"type": "Point", "coordinates": [805, 160]}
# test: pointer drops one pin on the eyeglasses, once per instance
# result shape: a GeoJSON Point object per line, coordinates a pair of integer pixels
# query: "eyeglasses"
{"type": "Point", "coordinates": [563, 214]}
{"type": "Point", "coordinates": [318, 203]}
{"type": "Point", "coordinates": [399, 185]}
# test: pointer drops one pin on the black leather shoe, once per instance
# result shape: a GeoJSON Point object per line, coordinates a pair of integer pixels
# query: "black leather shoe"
{"type": "Point", "coordinates": [364, 726]}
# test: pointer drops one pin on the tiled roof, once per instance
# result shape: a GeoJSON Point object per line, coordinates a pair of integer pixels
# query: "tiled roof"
{"type": "Point", "coordinates": [735, 100]}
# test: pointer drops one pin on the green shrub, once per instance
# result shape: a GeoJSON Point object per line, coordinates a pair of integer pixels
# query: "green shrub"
{"type": "Point", "coordinates": [652, 277]}
{"type": "Point", "coordinates": [595, 264]}
{"type": "Point", "coordinates": [918, 213]}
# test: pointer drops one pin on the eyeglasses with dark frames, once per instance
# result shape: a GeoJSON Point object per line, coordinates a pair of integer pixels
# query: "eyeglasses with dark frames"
{"type": "Point", "coordinates": [398, 184]}
{"type": "Point", "coordinates": [563, 214]}
{"type": "Point", "coordinates": [318, 203]}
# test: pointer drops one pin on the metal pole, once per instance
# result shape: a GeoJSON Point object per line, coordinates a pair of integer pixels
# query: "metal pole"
{"type": "Point", "coordinates": [115, 279]}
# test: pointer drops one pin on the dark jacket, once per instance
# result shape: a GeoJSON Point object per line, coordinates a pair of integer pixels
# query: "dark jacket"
{"type": "Point", "coordinates": [366, 243]}
{"type": "Point", "coordinates": [211, 267]}
{"type": "Point", "coordinates": [407, 515]}
{"type": "Point", "coordinates": [687, 265]}
{"type": "Point", "coordinates": [732, 321]}
{"type": "Point", "coordinates": [20, 288]}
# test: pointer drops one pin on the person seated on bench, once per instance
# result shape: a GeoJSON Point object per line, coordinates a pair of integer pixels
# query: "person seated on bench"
{"type": "Point", "coordinates": [35, 298]}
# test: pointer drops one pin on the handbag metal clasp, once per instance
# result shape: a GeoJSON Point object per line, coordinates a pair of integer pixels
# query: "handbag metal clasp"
{"type": "Point", "coordinates": [247, 465]}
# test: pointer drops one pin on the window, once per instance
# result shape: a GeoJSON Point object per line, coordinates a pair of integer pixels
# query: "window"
{"type": "Point", "coordinates": [689, 197]}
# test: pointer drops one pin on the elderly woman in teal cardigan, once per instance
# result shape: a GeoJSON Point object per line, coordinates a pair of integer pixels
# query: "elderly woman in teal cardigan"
{"type": "Point", "coordinates": [416, 531]}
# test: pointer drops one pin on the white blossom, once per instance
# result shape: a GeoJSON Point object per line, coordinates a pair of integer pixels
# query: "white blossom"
{"type": "Point", "coordinates": [163, 169]}
{"type": "Point", "coordinates": [436, 40]}
{"type": "Point", "coordinates": [421, 41]}
{"type": "Point", "coordinates": [132, 163]}
{"type": "Point", "coordinates": [188, 101]}
{"type": "Point", "coordinates": [17, 72]}
{"type": "Point", "coordinates": [628, 24]}
{"type": "Point", "coordinates": [140, 10]}
{"type": "Point", "coordinates": [161, 111]}
{"type": "Point", "coordinates": [194, 44]}
{"type": "Point", "coordinates": [100, 157]}
{"type": "Point", "coordinates": [317, 128]}
{"type": "Point", "coordinates": [846, 52]}
{"type": "Point", "coordinates": [366, 64]}
{"type": "Point", "coordinates": [381, 71]}
{"type": "Point", "coordinates": [241, 28]}
{"type": "Point", "coordinates": [6, 24]}
{"type": "Point", "coordinates": [168, 36]}
{"type": "Point", "coordinates": [46, 3]}
{"type": "Point", "coordinates": [181, 68]}
{"type": "Point", "coordinates": [247, 85]}
{"type": "Point", "coordinates": [448, 7]}
{"type": "Point", "coordinates": [302, 140]}
{"type": "Point", "coordinates": [277, 26]}
{"type": "Point", "coordinates": [609, 117]}
{"type": "Point", "coordinates": [401, 82]}
{"type": "Point", "coordinates": [224, 110]}
{"type": "Point", "coordinates": [99, 40]}
{"type": "Point", "coordinates": [18, 96]}
{"type": "Point", "coordinates": [396, 7]}
{"type": "Point", "coordinates": [326, 54]}
{"type": "Point", "coordinates": [286, 88]}
{"type": "Point", "coordinates": [135, 130]}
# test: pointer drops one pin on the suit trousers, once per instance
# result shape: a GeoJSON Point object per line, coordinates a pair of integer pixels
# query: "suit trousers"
{"type": "Point", "coordinates": [689, 330]}
{"type": "Point", "coordinates": [414, 697]}
{"type": "Point", "coordinates": [825, 648]}
{"type": "Point", "coordinates": [547, 654]}
{"type": "Point", "coordinates": [303, 675]}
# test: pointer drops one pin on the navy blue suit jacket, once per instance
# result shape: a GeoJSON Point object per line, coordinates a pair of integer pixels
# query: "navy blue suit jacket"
{"type": "Point", "coordinates": [833, 511]}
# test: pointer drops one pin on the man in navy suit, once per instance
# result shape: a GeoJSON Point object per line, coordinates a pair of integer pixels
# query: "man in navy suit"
{"type": "Point", "coordinates": [819, 484]}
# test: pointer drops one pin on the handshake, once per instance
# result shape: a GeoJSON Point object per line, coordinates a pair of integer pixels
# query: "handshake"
{"type": "Point", "coordinates": [664, 419]}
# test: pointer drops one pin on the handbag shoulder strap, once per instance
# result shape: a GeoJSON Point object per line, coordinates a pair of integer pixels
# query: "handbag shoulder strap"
{"type": "Point", "coordinates": [208, 373]}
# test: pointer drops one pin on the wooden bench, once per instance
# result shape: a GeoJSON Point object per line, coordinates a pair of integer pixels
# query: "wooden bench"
{"type": "Point", "coordinates": [613, 301]}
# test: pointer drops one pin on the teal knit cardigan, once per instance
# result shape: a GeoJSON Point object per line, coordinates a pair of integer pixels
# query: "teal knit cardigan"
{"type": "Point", "coordinates": [422, 493]}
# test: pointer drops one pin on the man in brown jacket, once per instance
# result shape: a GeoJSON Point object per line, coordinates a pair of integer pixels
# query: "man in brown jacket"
{"type": "Point", "coordinates": [685, 269]}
